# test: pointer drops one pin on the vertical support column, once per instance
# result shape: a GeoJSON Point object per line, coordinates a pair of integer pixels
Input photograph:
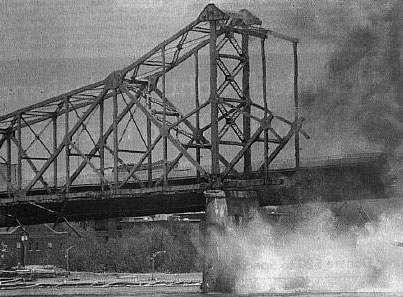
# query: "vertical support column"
{"type": "Point", "coordinates": [266, 129]}
{"type": "Point", "coordinates": [296, 102]}
{"type": "Point", "coordinates": [115, 141]}
{"type": "Point", "coordinates": [150, 156]}
{"type": "Point", "coordinates": [9, 160]}
{"type": "Point", "coordinates": [102, 143]}
{"type": "Point", "coordinates": [67, 155]}
{"type": "Point", "coordinates": [164, 101]}
{"type": "Point", "coordinates": [215, 224]}
{"type": "Point", "coordinates": [215, 166]}
{"type": "Point", "coordinates": [19, 156]}
{"type": "Point", "coordinates": [198, 157]}
{"type": "Point", "coordinates": [246, 93]}
{"type": "Point", "coordinates": [54, 122]}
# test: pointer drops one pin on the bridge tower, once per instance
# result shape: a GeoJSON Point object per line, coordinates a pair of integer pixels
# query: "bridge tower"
{"type": "Point", "coordinates": [235, 206]}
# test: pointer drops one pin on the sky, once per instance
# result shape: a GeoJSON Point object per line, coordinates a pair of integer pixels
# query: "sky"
{"type": "Point", "coordinates": [99, 29]}
{"type": "Point", "coordinates": [51, 46]}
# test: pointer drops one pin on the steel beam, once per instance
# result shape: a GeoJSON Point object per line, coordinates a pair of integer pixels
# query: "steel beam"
{"type": "Point", "coordinates": [53, 100]}
{"type": "Point", "coordinates": [264, 95]}
{"type": "Point", "coordinates": [242, 152]}
{"type": "Point", "coordinates": [101, 142]}
{"type": "Point", "coordinates": [9, 161]}
{"type": "Point", "coordinates": [19, 150]}
{"type": "Point", "coordinates": [89, 163]}
{"type": "Point", "coordinates": [159, 46]}
{"type": "Point", "coordinates": [247, 109]}
{"type": "Point", "coordinates": [296, 108]}
{"type": "Point", "coordinates": [115, 141]}
{"type": "Point", "coordinates": [164, 119]}
{"type": "Point", "coordinates": [67, 147]}
{"type": "Point", "coordinates": [215, 148]}
{"type": "Point", "coordinates": [294, 129]}
{"type": "Point", "coordinates": [197, 105]}
{"type": "Point", "coordinates": [149, 143]}
{"type": "Point", "coordinates": [55, 173]}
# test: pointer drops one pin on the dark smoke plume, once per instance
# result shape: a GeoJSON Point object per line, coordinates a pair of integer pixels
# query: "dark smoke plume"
{"type": "Point", "coordinates": [363, 87]}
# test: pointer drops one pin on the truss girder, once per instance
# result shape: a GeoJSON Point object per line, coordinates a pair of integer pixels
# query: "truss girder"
{"type": "Point", "coordinates": [130, 130]}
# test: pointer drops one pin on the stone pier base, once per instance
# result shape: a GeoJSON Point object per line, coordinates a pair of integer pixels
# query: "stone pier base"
{"type": "Point", "coordinates": [224, 210]}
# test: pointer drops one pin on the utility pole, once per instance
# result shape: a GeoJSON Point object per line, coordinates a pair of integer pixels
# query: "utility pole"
{"type": "Point", "coordinates": [24, 238]}
{"type": "Point", "coordinates": [67, 259]}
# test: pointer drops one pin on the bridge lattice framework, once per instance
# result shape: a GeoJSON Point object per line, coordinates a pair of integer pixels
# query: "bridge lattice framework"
{"type": "Point", "coordinates": [47, 146]}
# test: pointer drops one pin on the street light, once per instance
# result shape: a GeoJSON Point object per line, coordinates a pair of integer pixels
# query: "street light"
{"type": "Point", "coordinates": [67, 259]}
{"type": "Point", "coordinates": [152, 258]}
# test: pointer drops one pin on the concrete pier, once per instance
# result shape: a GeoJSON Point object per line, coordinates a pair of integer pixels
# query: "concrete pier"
{"type": "Point", "coordinates": [224, 211]}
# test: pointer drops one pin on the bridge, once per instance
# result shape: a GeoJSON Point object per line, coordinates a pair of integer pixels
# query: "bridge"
{"type": "Point", "coordinates": [132, 145]}
{"type": "Point", "coordinates": [332, 180]}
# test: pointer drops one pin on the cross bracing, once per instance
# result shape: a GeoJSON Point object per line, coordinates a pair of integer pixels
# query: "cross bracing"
{"type": "Point", "coordinates": [132, 131]}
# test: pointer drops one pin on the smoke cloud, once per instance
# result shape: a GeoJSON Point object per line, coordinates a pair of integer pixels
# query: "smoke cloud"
{"type": "Point", "coordinates": [343, 246]}
{"type": "Point", "coordinates": [361, 93]}
{"type": "Point", "coordinates": [311, 249]}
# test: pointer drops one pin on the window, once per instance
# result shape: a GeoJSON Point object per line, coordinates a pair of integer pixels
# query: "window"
{"type": "Point", "coordinates": [37, 246]}
{"type": "Point", "coordinates": [18, 244]}
{"type": "Point", "coordinates": [30, 246]}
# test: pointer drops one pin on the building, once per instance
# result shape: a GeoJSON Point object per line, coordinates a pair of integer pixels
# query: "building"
{"type": "Point", "coordinates": [29, 245]}
{"type": "Point", "coordinates": [117, 227]}
{"type": "Point", "coordinates": [42, 245]}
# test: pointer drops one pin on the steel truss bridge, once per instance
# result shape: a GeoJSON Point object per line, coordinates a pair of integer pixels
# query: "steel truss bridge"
{"type": "Point", "coordinates": [132, 145]}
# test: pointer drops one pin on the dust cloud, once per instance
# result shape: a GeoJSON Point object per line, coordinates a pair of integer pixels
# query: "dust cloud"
{"type": "Point", "coordinates": [311, 248]}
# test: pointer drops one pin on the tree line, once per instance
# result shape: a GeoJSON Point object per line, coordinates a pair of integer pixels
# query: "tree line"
{"type": "Point", "coordinates": [174, 246]}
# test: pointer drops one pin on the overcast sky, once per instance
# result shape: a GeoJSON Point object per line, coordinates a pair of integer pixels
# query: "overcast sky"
{"type": "Point", "coordinates": [51, 46]}
{"type": "Point", "coordinates": [105, 28]}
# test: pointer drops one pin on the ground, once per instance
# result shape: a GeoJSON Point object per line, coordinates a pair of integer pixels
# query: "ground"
{"type": "Point", "coordinates": [106, 284]}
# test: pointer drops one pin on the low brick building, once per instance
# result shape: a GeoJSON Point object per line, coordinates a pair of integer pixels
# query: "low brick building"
{"type": "Point", "coordinates": [35, 245]}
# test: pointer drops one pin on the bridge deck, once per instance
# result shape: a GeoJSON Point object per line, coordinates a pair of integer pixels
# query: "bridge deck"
{"type": "Point", "coordinates": [362, 177]}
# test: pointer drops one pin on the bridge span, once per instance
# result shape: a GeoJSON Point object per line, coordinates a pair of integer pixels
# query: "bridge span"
{"type": "Point", "coordinates": [351, 177]}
